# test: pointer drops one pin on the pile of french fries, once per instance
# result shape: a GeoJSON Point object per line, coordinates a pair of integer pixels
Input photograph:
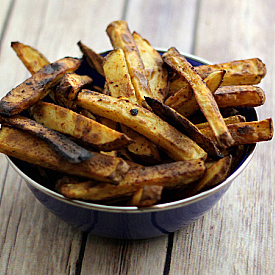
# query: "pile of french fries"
{"type": "Point", "coordinates": [159, 130]}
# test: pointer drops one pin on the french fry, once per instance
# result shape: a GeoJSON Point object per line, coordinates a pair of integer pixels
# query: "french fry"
{"type": "Point", "coordinates": [88, 131]}
{"type": "Point", "coordinates": [247, 132]}
{"type": "Point", "coordinates": [37, 86]}
{"type": "Point", "coordinates": [184, 101]}
{"type": "Point", "coordinates": [177, 145]}
{"type": "Point", "coordinates": [185, 126]}
{"type": "Point", "coordinates": [117, 75]}
{"type": "Point", "coordinates": [227, 120]}
{"type": "Point", "coordinates": [31, 58]}
{"type": "Point", "coordinates": [171, 175]}
{"type": "Point", "coordinates": [119, 83]}
{"type": "Point", "coordinates": [203, 96]}
{"type": "Point", "coordinates": [213, 175]}
{"type": "Point", "coordinates": [94, 59]}
{"type": "Point", "coordinates": [36, 151]}
{"type": "Point", "coordinates": [239, 96]}
{"type": "Point", "coordinates": [121, 37]}
{"type": "Point", "coordinates": [65, 147]}
{"type": "Point", "coordinates": [156, 72]}
{"type": "Point", "coordinates": [239, 72]}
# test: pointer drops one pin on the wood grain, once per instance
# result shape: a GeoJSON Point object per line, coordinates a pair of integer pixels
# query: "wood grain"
{"type": "Point", "coordinates": [237, 235]}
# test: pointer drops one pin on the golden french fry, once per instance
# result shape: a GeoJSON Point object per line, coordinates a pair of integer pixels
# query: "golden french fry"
{"type": "Point", "coordinates": [37, 86]}
{"type": "Point", "coordinates": [238, 72]}
{"type": "Point", "coordinates": [156, 72]}
{"type": "Point", "coordinates": [177, 145]}
{"type": "Point", "coordinates": [31, 58]}
{"type": "Point", "coordinates": [121, 37]}
{"type": "Point", "coordinates": [239, 96]}
{"type": "Point", "coordinates": [203, 96]}
{"type": "Point", "coordinates": [247, 132]}
{"type": "Point", "coordinates": [88, 131]}
{"type": "Point", "coordinates": [36, 151]}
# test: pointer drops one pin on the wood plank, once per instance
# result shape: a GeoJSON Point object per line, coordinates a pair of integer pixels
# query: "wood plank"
{"type": "Point", "coordinates": [164, 24]}
{"type": "Point", "coordinates": [124, 257]}
{"type": "Point", "coordinates": [237, 235]}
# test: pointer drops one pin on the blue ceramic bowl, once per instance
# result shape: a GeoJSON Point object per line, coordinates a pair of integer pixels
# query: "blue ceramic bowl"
{"type": "Point", "coordinates": [127, 222]}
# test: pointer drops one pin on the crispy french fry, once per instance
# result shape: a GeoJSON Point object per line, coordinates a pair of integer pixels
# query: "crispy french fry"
{"type": "Point", "coordinates": [121, 37]}
{"type": "Point", "coordinates": [119, 83]}
{"type": "Point", "coordinates": [65, 147]}
{"type": "Point", "coordinates": [203, 96]}
{"type": "Point", "coordinates": [247, 132]}
{"type": "Point", "coordinates": [117, 75]}
{"type": "Point", "coordinates": [94, 59]}
{"type": "Point", "coordinates": [239, 72]}
{"type": "Point", "coordinates": [227, 120]}
{"type": "Point", "coordinates": [156, 71]}
{"type": "Point", "coordinates": [169, 175]}
{"type": "Point", "coordinates": [88, 131]}
{"type": "Point", "coordinates": [185, 126]}
{"type": "Point", "coordinates": [37, 86]}
{"type": "Point", "coordinates": [187, 105]}
{"type": "Point", "coordinates": [239, 96]}
{"type": "Point", "coordinates": [146, 196]}
{"type": "Point", "coordinates": [31, 58]}
{"type": "Point", "coordinates": [36, 151]}
{"type": "Point", "coordinates": [177, 145]}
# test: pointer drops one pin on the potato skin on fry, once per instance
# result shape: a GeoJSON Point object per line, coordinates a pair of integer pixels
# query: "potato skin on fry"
{"type": "Point", "coordinates": [36, 151]}
{"type": "Point", "coordinates": [177, 145]}
{"type": "Point", "coordinates": [37, 86]}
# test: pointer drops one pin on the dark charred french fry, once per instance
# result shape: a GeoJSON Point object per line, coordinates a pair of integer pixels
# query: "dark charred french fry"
{"type": "Point", "coordinates": [203, 96]}
{"type": "Point", "coordinates": [36, 151]}
{"type": "Point", "coordinates": [239, 96]}
{"type": "Point", "coordinates": [37, 86]}
{"type": "Point", "coordinates": [121, 37]}
{"type": "Point", "coordinates": [65, 147]}
{"type": "Point", "coordinates": [247, 132]}
{"type": "Point", "coordinates": [31, 58]}
{"type": "Point", "coordinates": [88, 131]}
{"type": "Point", "coordinates": [171, 175]}
{"type": "Point", "coordinates": [94, 59]}
{"type": "Point", "coordinates": [177, 145]}
{"type": "Point", "coordinates": [146, 196]}
{"type": "Point", "coordinates": [156, 72]}
{"type": "Point", "coordinates": [185, 126]}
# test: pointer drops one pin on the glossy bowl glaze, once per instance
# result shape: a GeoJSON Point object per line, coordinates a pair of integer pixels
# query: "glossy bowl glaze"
{"type": "Point", "coordinates": [127, 222]}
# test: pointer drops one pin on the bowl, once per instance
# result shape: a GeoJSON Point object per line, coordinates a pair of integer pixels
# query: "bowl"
{"type": "Point", "coordinates": [129, 222]}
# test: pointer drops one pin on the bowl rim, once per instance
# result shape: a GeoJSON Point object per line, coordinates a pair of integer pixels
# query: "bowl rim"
{"type": "Point", "coordinates": [154, 208]}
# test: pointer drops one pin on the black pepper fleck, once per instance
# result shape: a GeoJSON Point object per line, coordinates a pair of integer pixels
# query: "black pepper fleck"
{"type": "Point", "coordinates": [134, 112]}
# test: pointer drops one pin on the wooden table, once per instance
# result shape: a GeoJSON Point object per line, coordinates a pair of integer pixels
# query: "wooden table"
{"type": "Point", "coordinates": [237, 235]}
